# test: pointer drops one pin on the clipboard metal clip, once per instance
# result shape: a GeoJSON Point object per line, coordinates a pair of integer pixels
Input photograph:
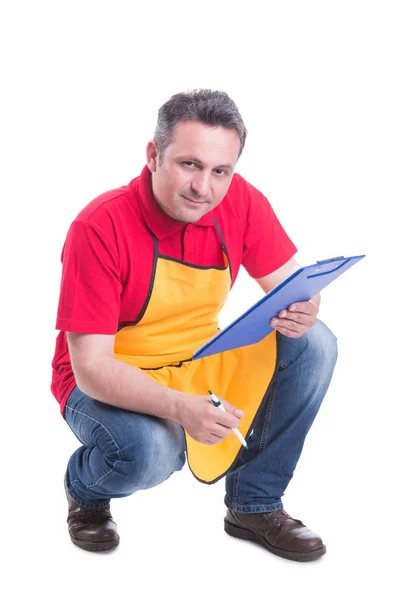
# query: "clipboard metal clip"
{"type": "Point", "coordinates": [328, 259]}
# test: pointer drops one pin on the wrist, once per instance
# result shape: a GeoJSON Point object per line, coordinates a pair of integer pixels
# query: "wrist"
{"type": "Point", "coordinates": [174, 403]}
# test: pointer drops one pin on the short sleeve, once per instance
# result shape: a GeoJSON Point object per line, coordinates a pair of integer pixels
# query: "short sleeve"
{"type": "Point", "coordinates": [90, 283]}
{"type": "Point", "coordinates": [266, 244]}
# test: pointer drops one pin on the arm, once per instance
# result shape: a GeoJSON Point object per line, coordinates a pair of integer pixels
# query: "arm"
{"type": "Point", "coordinates": [297, 318]}
{"type": "Point", "coordinates": [101, 376]}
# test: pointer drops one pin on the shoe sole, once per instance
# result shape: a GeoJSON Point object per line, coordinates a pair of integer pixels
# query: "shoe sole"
{"type": "Point", "coordinates": [245, 534]}
{"type": "Point", "coordinates": [95, 546]}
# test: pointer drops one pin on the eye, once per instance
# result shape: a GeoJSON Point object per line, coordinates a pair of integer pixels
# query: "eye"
{"type": "Point", "coordinates": [189, 163]}
{"type": "Point", "coordinates": [221, 172]}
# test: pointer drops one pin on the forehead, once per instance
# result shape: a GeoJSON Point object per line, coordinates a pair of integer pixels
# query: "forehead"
{"type": "Point", "coordinates": [208, 143]}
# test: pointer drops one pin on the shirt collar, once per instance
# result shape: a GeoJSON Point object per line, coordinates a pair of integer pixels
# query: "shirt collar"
{"type": "Point", "coordinates": [156, 219]}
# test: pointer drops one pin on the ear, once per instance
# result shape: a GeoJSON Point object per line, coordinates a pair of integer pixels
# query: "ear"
{"type": "Point", "coordinates": [152, 155]}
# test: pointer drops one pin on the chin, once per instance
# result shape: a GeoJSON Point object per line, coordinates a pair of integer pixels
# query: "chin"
{"type": "Point", "coordinates": [189, 218]}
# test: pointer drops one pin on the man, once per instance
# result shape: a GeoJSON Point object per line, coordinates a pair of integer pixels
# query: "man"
{"type": "Point", "coordinates": [146, 271]}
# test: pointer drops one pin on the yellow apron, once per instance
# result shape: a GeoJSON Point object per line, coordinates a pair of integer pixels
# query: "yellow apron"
{"type": "Point", "coordinates": [180, 314]}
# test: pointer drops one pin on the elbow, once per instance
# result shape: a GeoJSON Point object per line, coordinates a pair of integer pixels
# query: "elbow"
{"type": "Point", "coordinates": [85, 377]}
{"type": "Point", "coordinates": [82, 382]}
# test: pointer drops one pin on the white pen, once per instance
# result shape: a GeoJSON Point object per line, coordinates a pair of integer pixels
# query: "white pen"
{"type": "Point", "coordinates": [235, 430]}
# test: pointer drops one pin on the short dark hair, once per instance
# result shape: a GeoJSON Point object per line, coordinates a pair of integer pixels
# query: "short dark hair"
{"type": "Point", "coordinates": [211, 107]}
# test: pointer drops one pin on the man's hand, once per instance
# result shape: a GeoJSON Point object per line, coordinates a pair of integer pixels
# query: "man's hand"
{"type": "Point", "coordinates": [206, 423]}
{"type": "Point", "coordinates": [297, 318]}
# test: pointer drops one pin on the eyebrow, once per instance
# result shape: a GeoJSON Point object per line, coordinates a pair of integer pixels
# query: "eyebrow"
{"type": "Point", "coordinates": [198, 161]}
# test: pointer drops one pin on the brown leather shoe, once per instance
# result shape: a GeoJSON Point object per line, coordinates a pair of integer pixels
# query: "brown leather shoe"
{"type": "Point", "coordinates": [277, 532]}
{"type": "Point", "coordinates": [91, 529]}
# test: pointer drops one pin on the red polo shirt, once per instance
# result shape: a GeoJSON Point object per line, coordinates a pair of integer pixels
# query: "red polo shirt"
{"type": "Point", "coordinates": [108, 256]}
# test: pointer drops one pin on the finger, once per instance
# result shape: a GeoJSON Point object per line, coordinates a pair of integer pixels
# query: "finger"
{"type": "Point", "coordinates": [290, 328]}
{"type": "Point", "coordinates": [232, 409]}
{"type": "Point", "coordinates": [289, 332]}
{"type": "Point", "coordinates": [284, 318]}
{"type": "Point", "coordinates": [220, 431]}
{"type": "Point", "coordinates": [229, 408]}
{"type": "Point", "coordinates": [307, 308]}
{"type": "Point", "coordinates": [214, 438]}
{"type": "Point", "coordinates": [223, 427]}
{"type": "Point", "coordinates": [289, 324]}
{"type": "Point", "coordinates": [225, 419]}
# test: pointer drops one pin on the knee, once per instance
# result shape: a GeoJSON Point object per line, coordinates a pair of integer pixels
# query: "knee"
{"type": "Point", "coordinates": [157, 451]}
{"type": "Point", "coordinates": [321, 346]}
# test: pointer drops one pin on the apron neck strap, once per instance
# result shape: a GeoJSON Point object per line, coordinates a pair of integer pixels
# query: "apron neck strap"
{"type": "Point", "coordinates": [221, 237]}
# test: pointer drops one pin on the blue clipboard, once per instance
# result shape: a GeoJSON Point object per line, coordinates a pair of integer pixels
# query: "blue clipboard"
{"type": "Point", "coordinates": [253, 325]}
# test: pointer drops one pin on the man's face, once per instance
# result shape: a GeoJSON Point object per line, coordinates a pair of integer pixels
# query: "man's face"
{"type": "Point", "coordinates": [195, 171]}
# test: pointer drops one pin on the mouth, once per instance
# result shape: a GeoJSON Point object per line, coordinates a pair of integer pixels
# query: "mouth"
{"type": "Point", "coordinates": [194, 202]}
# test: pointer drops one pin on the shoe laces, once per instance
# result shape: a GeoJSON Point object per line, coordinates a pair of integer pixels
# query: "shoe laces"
{"type": "Point", "coordinates": [279, 517]}
{"type": "Point", "coordinates": [96, 515]}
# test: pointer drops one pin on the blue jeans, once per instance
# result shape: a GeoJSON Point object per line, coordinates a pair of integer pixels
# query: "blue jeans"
{"type": "Point", "coordinates": [124, 451]}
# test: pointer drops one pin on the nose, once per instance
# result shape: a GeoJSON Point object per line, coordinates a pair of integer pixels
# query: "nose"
{"type": "Point", "coordinates": [200, 184]}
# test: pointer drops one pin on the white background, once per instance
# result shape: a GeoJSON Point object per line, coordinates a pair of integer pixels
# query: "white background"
{"type": "Point", "coordinates": [318, 86]}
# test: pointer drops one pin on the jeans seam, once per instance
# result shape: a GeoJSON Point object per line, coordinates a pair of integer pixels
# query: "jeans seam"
{"type": "Point", "coordinates": [268, 412]}
{"type": "Point", "coordinates": [235, 486]}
